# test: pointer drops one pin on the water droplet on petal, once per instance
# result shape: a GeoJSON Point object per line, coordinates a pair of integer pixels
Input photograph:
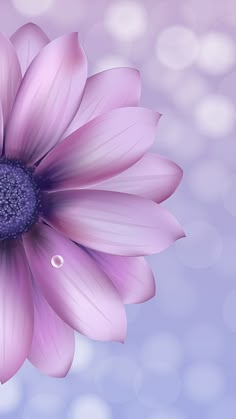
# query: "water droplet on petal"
{"type": "Point", "coordinates": [57, 261]}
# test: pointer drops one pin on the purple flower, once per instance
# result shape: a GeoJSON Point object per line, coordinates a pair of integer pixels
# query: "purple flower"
{"type": "Point", "coordinates": [79, 199]}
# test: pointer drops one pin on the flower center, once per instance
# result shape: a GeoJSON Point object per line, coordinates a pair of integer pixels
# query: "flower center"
{"type": "Point", "coordinates": [19, 199]}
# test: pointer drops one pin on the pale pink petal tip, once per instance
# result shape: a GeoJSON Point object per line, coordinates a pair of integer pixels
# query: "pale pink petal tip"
{"type": "Point", "coordinates": [10, 76]}
{"type": "Point", "coordinates": [153, 177]}
{"type": "Point", "coordinates": [110, 89]}
{"type": "Point", "coordinates": [48, 99]}
{"type": "Point", "coordinates": [131, 276]}
{"type": "Point", "coordinates": [28, 40]}
{"type": "Point", "coordinates": [53, 344]}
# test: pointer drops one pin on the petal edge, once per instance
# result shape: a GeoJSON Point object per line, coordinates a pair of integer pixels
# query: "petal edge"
{"type": "Point", "coordinates": [48, 99]}
{"type": "Point", "coordinates": [79, 292]}
{"type": "Point", "coordinates": [112, 222]}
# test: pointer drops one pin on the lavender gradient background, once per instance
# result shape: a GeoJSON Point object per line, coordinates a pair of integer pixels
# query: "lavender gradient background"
{"type": "Point", "coordinates": [179, 359]}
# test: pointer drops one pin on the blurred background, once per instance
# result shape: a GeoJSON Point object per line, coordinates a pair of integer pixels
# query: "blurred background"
{"type": "Point", "coordinates": [179, 359]}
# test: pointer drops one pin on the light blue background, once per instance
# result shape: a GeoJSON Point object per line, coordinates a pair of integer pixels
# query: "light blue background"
{"type": "Point", "coordinates": [179, 358]}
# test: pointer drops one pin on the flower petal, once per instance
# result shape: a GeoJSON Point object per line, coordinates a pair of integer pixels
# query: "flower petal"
{"type": "Point", "coordinates": [153, 177]}
{"type": "Point", "coordinates": [53, 343]}
{"type": "Point", "coordinates": [115, 88]}
{"type": "Point", "coordinates": [16, 309]}
{"type": "Point", "coordinates": [112, 222]}
{"type": "Point", "coordinates": [10, 76]}
{"type": "Point", "coordinates": [48, 99]}
{"type": "Point", "coordinates": [28, 40]}
{"type": "Point", "coordinates": [100, 149]}
{"type": "Point", "coordinates": [78, 291]}
{"type": "Point", "coordinates": [131, 276]}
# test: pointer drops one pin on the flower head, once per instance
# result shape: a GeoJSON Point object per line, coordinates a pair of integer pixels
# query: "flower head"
{"type": "Point", "coordinates": [79, 200]}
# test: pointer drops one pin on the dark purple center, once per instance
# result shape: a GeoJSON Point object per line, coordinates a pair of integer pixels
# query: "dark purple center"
{"type": "Point", "coordinates": [19, 199]}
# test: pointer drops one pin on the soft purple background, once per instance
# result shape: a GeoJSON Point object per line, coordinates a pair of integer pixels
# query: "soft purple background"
{"type": "Point", "coordinates": [179, 359]}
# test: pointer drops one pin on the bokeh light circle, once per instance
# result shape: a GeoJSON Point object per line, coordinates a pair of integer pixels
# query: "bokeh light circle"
{"type": "Point", "coordinates": [177, 47]}
{"type": "Point", "coordinates": [126, 20]}
{"type": "Point", "coordinates": [203, 382]}
{"type": "Point", "coordinates": [89, 406]}
{"type": "Point", "coordinates": [215, 116]}
{"type": "Point", "coordinates": [217, 53]}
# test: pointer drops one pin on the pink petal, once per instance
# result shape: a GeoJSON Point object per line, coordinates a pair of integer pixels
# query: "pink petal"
{"type": "Point", "coordinates": [153, 177]}
{"type": "Point", "coordinates": [112, 222]}
{"type": "Point", "coordinates": [10, 76]}
{"type": "Point", "coordinates": [131, 276]}
{"type": "Point", "coordinates": [115, 88]}
{"type": "Point", "coordinates": [48, 99]}
{"type": "Point", "coordinates": [78, 291]}
{"type": "Point", "coordinates": [16, 309]}
{"type": "Point", "coordinates": [100, 149]}
{"type": "Point", "coordinates": [28, 40]}
{"type": "Point", "coordinates": [53, 341]}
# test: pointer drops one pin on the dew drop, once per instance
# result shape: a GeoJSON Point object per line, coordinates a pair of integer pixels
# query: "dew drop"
{"type": "Point", "coordinates": [57, 261]}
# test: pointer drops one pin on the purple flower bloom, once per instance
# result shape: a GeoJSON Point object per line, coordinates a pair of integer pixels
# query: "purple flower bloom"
{"type": "Point", "coordinates": [79, 199]}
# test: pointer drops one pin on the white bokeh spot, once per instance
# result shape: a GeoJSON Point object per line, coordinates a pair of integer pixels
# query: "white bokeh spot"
{"type": "Point", "coordinates": [203, 382]}
{"type": "Point", "coordinates": [126, 20]}
{"type": "Point", "coordinates": [217, 53]}
{"type": "Point", "coordinates": [177, 47]}
{"type": "Point", "coordinates": [89, 407]}
{"type": "Point", "coordinates": [189, 91]}
{"type": "Point", "coordinates": [215, 116]}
